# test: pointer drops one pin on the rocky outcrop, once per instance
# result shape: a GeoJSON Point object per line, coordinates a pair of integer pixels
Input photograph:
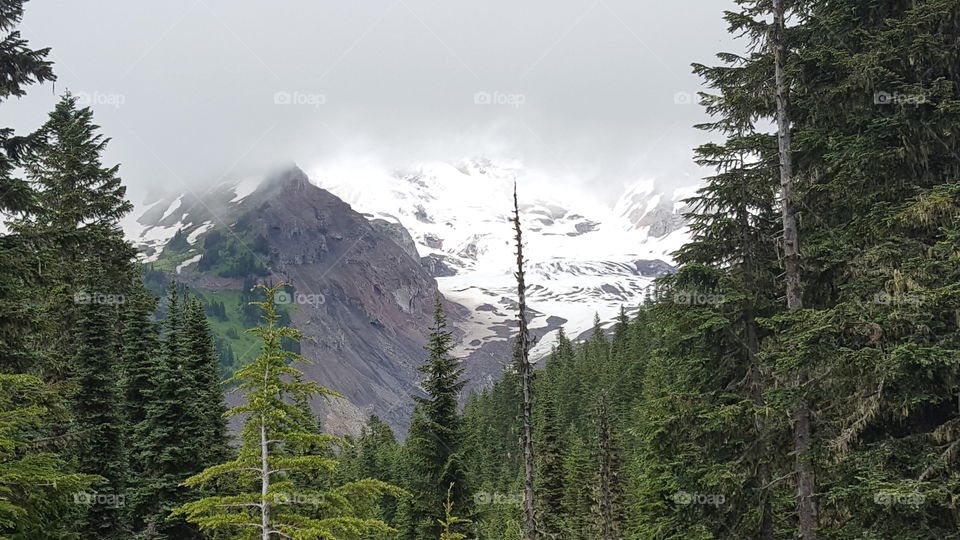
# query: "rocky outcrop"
{"type": "Point", "coordinates": [368, 330]}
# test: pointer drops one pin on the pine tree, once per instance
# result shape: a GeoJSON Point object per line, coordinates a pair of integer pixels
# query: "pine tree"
{"type": "Point", "coordinates": [610, 490]}
{"type": "Point", "coordinates": [140, 352]}
{"type": "Point", "coordinates": [202, 365]}
{"type": "Point", "coordinates": [435, 458]}
{"type": "Point", "coordinates": [273, 441]}
{"type": "Point", "coordinates": [79, 201]}
{"type": "Point", "coordinates": [98, 406]}
{"type": "Point", "coordinates": [38, 489]}
{"type": "Point", "coordinates": [171, 442]}
{"type": "Point", "coordinates": [450, 521]}
{"type": "Point", "coordinates": [22, 66]}
{"type": "Point", "coordinates": [548, 441]}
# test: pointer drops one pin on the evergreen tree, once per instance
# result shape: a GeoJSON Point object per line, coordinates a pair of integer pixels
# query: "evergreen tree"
{"type": "Point", "coordinates": [38, 489]}
{"type": "Point", "coordinates": [21, 66]}
{"type": "Point", "coordinates": [273, 441]}
{"type": "Point", "coordinates": [172, 441]}
{"type": "Point", "coordinates": [435, 458]}
{"type": "Point", "coordinates": [202, 365]}
{"type": "Point", "coordinates": [140, 352]}
{"type": "Point", "coordinates": [610, 491]}
{"type": "Point", "coordinates": [98, 407]}
{"type": "Point", "coordinates": [549, 445]}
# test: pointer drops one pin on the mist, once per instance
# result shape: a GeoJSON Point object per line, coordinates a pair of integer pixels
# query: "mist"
{"type": "Point", "coordinates": [597, 93]}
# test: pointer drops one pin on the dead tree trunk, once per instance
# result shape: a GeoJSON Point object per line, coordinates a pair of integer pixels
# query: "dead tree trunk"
{"type": "Point", "coordinates": [800, 415]}
{"type": "Point", "coordinates": [522, 358]}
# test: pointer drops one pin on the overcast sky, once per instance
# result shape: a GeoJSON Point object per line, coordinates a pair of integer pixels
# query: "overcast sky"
{"type": "Point", "coordinates": [197, 91]}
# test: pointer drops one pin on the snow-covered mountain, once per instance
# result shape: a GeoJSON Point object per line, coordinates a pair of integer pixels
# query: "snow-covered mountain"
{"type": "Point", "coordinates": [433, 221]}
{"type": "Point", "coordinates": [585, 257]}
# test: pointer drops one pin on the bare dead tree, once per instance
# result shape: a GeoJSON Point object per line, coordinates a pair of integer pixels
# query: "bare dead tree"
{"type": "Point", "coordinates": [800, 415]}
{"type": "Point", "coordinates": [522, 358]}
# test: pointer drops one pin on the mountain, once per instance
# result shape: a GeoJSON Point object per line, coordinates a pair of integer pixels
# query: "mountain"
{"type": "Point", "coordinates": [367, 251]}
{"type": "Point", "coordinates": [361, 294]}
{"type": "Point", "coordinates": [585, 257]}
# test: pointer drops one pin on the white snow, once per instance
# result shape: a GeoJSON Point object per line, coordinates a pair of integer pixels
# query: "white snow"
{"type": "Point", "coordinates": [572, 275]}
{"type": "Point", "coordinates": [172, 208]}
{"type": "Point", "coordinates": [192, 237]}
{"type": "Point", "coordinates": [188, 262]}
{"type": "Point", "coordinates": [244, 188]}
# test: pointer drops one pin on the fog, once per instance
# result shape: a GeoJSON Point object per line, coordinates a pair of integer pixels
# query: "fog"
{"type": "Point", "coordinates": [599, 92]}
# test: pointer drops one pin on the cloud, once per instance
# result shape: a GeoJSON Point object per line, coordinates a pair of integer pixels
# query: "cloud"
{"type": "Point", "coordinates": [193, 91]}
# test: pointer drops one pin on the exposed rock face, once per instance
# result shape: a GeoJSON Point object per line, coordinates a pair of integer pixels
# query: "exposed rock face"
{"type": "Point", "coordinates": [654, 268]}
{"type": "Point", "coordinates": [436, 266]}
{"type": "Point", "coordinates": [377, 297]}
{"type": "Point", "coordinates": [398, 234]}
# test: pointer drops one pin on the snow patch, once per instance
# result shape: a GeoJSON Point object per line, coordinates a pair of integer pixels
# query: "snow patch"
{"type": "Point", "coordinates": [188, 262]}
{"type": "Point", "coordinates": [244, 188]}
{"type": "Point", "coordinates": [172, 208]}
{"type": "Point", "coordinates": [192, 237]}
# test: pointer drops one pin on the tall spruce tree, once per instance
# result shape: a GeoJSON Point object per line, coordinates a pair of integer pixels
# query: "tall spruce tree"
{"type": "Point", "coordinates": [434, 441]}
{"type": "Point", "coordinates": [22, 66]}
{"type": "Point", "coordinates": [99, 418]}
{"type": "Point", "coordinates": [38, 489]}
{"type": "Point", "coordinates": [203, 368]}
{"type": "Point", "coordinates": [267, 500]}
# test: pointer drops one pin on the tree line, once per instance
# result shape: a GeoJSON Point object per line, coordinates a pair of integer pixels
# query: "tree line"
{"type": "Point", "coordinates": [797, 377]}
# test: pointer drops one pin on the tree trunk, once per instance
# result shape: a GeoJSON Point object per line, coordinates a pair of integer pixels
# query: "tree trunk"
{"type": "Point", "coordinates": [752, 345]}
{"type": "Point", "coordinates": [800, 416]}
{"type": "Point", "coordinates": [522, 354]}
{"type": "Point", "coordinates": [264, 482]}
{"type": "Point", "coordinates": [608, 519]}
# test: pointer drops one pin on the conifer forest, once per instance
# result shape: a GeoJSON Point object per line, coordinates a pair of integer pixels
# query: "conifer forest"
{"type": "Point", "coordinates": [287, 365]}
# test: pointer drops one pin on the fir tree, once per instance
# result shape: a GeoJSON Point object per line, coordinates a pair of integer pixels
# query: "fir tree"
{"type": "Point", "coordinates": [273, 441]}
{"type": "Point", "coordinates": [434, 440]}
{"type": "Point", "coordinates": [98, 407]}
{"type": "Point", "coordinates": [38, 489]}
{"type": "Point", "coordinates": [21, 67]}
{"type": "Point", "coordinates": [202, 366]}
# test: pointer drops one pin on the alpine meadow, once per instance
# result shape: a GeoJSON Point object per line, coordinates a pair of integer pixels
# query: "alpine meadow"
{"type": "Point", "coordinates": [419, 270]}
